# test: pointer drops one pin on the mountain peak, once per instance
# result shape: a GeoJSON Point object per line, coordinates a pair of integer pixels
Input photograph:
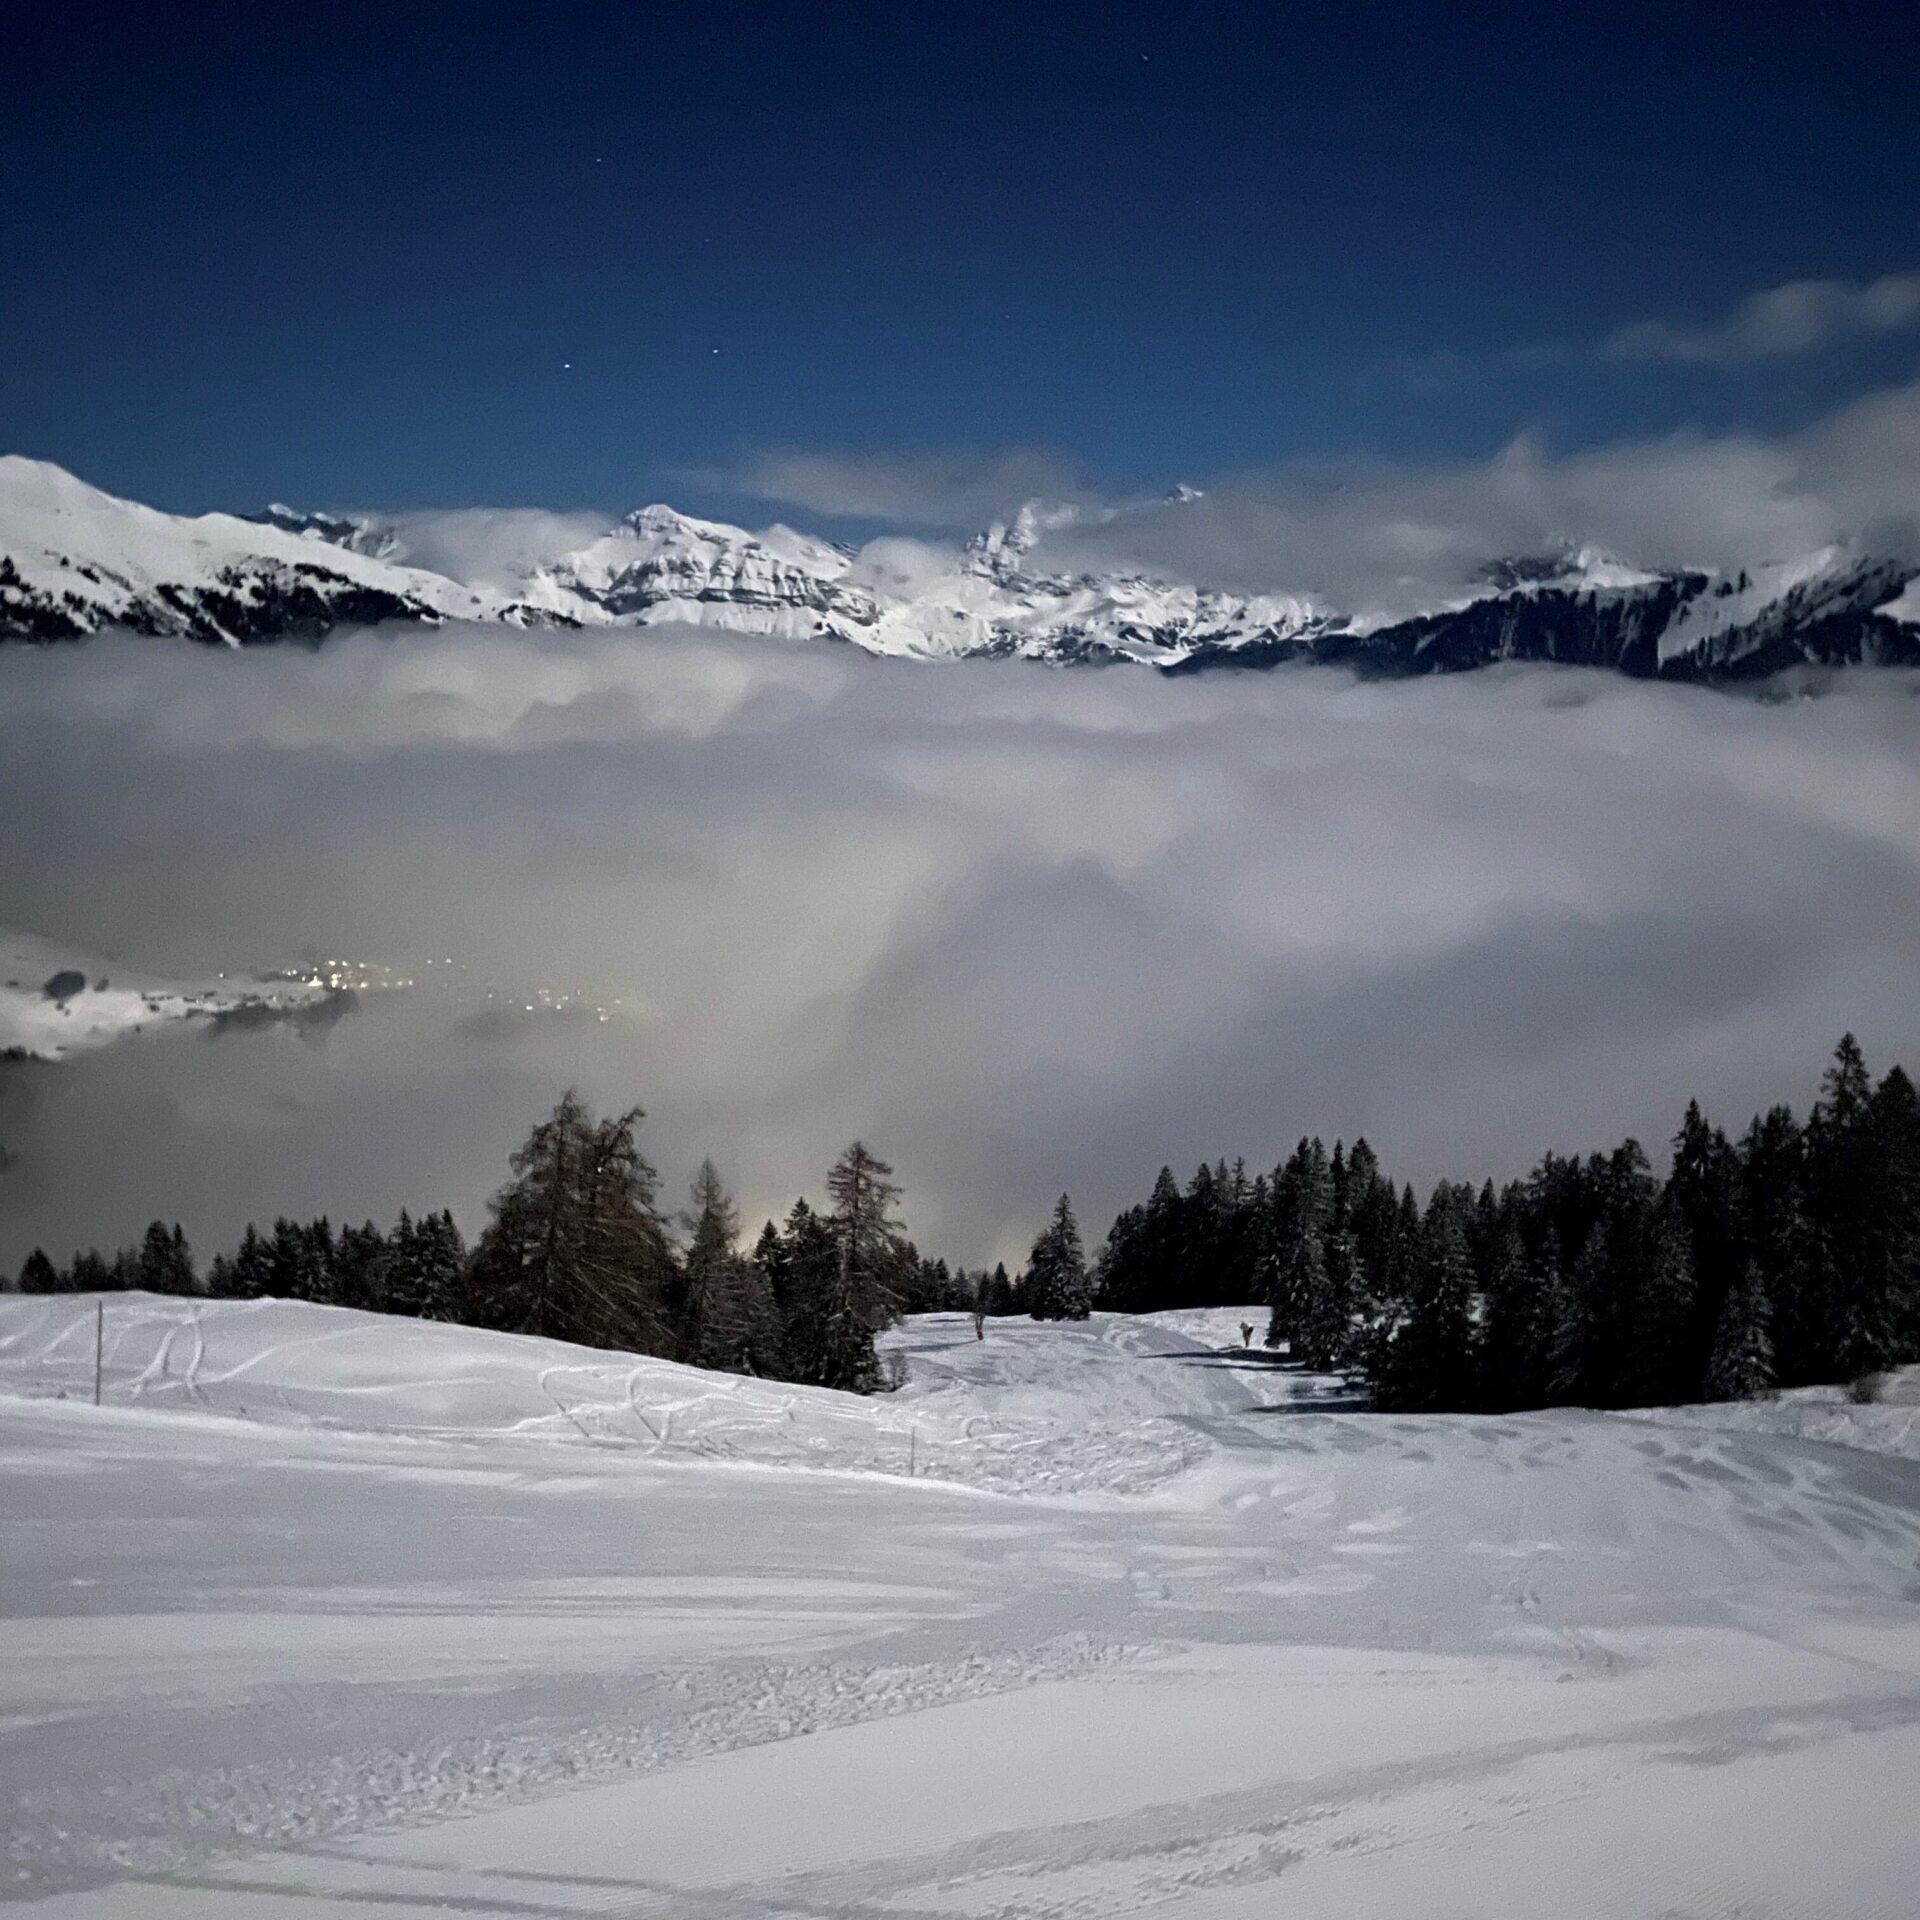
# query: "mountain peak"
{"type": "Point", "coordinates": [74, 560]}
{"type": "Point", "coordinates": [660, 518]}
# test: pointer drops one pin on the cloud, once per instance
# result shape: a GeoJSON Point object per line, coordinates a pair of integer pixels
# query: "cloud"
{"type": "Point", "coordinates": [491, 546]}
{"type": "Point", "coordinates": [1386, 539]}
{"type": "Point", "coordinates": [1799, 317]}
{"type": "Point", "coordinates": [957, 491]}
{"type": "Point", "coordinates": [1022, 930]}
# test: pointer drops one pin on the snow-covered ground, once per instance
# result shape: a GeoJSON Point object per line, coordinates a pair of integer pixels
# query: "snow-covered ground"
{"type": "Point", "coordinates": [323, 1615]}
{"type": "Point", "coordinates": [1888, 1424]}
{"type": "Point", "coordinates": [55, 1003]}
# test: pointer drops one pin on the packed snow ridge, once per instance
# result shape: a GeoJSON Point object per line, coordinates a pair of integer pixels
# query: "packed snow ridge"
{"type": "Point", "coordinates": [74, 560]}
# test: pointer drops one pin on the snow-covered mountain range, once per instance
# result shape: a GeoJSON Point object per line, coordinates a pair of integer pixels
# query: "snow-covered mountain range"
{"type": "Point", "coordinates": [74, 561]}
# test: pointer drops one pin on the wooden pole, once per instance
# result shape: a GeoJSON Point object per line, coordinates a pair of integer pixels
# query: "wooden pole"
{"type": "Point", "coordinates": [99, 1345]}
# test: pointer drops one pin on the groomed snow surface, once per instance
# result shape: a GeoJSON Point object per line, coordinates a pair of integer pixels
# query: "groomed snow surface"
{"type": "Point", "coordinates": [329, 1615]}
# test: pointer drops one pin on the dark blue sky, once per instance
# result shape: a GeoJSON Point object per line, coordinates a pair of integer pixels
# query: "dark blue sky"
{"type": "Point", "coordinates": [337, 256]}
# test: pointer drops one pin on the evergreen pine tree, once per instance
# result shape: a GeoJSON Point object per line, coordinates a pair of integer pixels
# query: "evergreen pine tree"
{"type": "Point", "coordinates": [361, 1270]}
{"type": "Point", "coordinates": [90, 1273]}
{"type": "Point", "coordinates": [828, 1342]}
{"type": "Point", "coordinates": [165, 1263]}
{"type": "Point", "coordinates": [1893, 1237]}
{"type": "Point", "coordinates": [1431, 1363]}
{"type": "Point", "coordinates": [1741, 1367]}
{"type": "Point", "coordinates": [1561, 1328]}
{"type": "Point", "coordinates": [1117, 1268]}
{"type": "Point", "coordinates": [728, 1318]}
{"type": "Point", "coordinates": [319, 1278]}
{"type": "Point", "coordinates": [1513, 1345]}
{"type": "Point", "coordinates": [1666, 1368]}
{"type": "Point", "coordinates": [1782, 1242]}
{"type": "Point", "coordinates": [1614, 1294]}
{"type": "Point", "coordinates": [442, 1256]}
{"type": "Point", "coordinates": [1157, 1249]}
{"type": "Point", "coordinates": [1001, 1291]}
{"type": "Point", "coordinates": [404, 1276]}
{"type": "Point", "coordinates": [1057, 1286]}
{"type": "Point", "coordinates": [291, 1263]}
{"type": "Point", "coordinates": [1370, 1210]}
{"type": "Point", "coordinates": [871, 1245]}
{"type": "Point", "coordinates": [38, 1274]}
{"type": "Point", "coordinates": [1851, 1332]}
{"type": "Point", "coordinates": [576, 1248]}
{"type": "Point", "coordinates": [773, 1257]}
{"type": "Point", "coordinates": [1704, 1189]}
{"type": "Point", "coordinates": [253, 1267]}
{"type": "Point", "coordinates": [1293, 1267]}
{"type": "Point", "coordinates": [1403, 1250]}
{"type": "Point", "coordinates": [1326, 1293]}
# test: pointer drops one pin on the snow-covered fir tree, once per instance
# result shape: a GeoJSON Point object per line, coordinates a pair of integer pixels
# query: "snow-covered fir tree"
{"type": "Point", "coordinates": [1741, 1366]}
{"type": "Point", "coordinates": [1057, 1287]}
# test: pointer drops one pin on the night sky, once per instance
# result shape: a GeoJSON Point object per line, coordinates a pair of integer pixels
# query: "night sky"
{"type": "Point", "coordinates": [587, 256]}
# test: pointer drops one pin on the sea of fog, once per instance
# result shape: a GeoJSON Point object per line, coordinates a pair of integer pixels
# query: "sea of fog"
{"type": "Point", "coordinates": [1022, 930]}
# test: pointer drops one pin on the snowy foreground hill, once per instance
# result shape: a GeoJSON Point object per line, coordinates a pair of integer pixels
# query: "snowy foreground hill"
{"type": "Point", "coordinates": [74, 560]}
{"type": "Point", "coordinates": [328, 1615]}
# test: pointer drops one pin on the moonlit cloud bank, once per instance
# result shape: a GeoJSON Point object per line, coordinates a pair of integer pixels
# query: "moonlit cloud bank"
{"type": "Point", "coordinates": [1022, 930]}
{"type": "Point", "coordinates": [1392, 539]}
{"type": "Point", "coordinates": [1383, 539]}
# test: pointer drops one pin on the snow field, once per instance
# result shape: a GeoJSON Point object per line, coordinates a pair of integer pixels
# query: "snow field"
{"type": "Point", "coordinates": [325, 1615]}
{"type": "Point", "coordinates": [1007, 1414]}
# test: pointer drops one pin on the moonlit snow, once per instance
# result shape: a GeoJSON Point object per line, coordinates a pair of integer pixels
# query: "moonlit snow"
{"type": "Point", "coordinates": [324, 1615]}
{"type": "Point", "coordinates": [55, 1003]}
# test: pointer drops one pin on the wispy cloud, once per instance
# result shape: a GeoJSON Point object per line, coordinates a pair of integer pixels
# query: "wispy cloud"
{"type": "Point", "coordinates": [941, 490]}
{"type": "Point", "coordinates": [1777, 323]}
{"type": "Point", "coordinates": [1386, 537]}
{"type": "Point", "coordinates": [1802, 316]}
{"type": "Point", "coordinates": [491, 546]}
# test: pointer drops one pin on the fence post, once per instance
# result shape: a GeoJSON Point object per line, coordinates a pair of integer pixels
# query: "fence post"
{"type": "Point", "coordinates": [99, 1345]}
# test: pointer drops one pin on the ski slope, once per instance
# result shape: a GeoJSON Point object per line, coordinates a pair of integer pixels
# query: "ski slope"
{"type": "Point", "coordinates": [326, 1615]}
{"type": "Point", "coordinates": [1080, 1411]}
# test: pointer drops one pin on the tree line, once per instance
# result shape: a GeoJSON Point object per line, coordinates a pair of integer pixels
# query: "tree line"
{"type": "Point", "coordinates": [577, 1247]}
{"type": "Point", "coordinates": [1790, 1255]}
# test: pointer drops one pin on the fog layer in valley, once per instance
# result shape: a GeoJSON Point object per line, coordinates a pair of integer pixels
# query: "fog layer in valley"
{"type": "Point", "coordinates": [1021, 930]}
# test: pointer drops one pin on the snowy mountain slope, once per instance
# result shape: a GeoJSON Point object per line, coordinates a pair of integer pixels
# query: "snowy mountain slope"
{"type": "Point", "coordinates": [1905, 605]}
{"type": "Point", "coordinates": [74, 560]}
{"type": "Point", "coordinates": [357, 533]}
{"type": "Point", "coordinates": [660, 566]}
{"type": "Point", "coordinates": [405, 1637]}
{"type": "Point", "coordinates": [55, 1003]}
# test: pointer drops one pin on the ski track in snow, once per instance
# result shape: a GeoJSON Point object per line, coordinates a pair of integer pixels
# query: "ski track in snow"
{"type": "Point", "coordinates": [324, 1614]}
{"type": "Point", "coordinates": [326, 1367]}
